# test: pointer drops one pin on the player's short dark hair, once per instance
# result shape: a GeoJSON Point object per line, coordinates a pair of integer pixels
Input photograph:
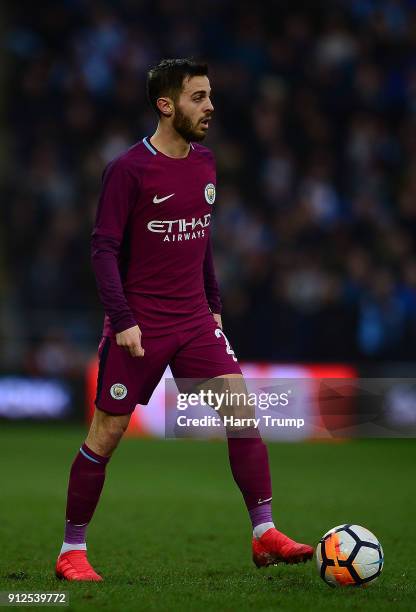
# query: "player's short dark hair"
{"type": "Point", "coordinates": [166, 79]}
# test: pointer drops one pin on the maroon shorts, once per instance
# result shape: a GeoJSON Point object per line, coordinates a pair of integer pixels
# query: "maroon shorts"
{"type": "Point", "coordinates": [199, 353]}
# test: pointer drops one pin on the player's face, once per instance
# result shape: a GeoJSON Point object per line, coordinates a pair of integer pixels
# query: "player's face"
{"type": "Point", "coordinates": [193, 109]}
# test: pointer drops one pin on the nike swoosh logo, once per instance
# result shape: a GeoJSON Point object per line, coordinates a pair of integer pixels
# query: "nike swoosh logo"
{"type": "Point", "coordinates": [157, 200]}
{"type": "Point", "coordinates": [263, 501]}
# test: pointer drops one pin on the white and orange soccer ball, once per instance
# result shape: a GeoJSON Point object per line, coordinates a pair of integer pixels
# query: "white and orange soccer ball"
{"type": "Point", "coordinates": [349, 555]}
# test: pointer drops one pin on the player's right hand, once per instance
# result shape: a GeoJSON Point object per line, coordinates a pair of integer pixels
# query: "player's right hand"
{"type": "Point", "coordinates": [131, 340]}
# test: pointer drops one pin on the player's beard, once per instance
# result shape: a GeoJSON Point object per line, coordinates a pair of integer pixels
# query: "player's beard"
{"type": "Point", "coordinates": [184, 126]}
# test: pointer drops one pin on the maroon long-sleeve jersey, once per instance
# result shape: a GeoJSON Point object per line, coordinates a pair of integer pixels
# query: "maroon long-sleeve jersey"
{"type": "Point", "coordinates": [151, 247]}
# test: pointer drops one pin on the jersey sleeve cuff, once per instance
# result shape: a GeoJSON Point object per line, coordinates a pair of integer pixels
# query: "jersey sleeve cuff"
{"type": "Point", "coordinates": [123, 324]}
{"type": "Point", "coordinates": [215, 309]}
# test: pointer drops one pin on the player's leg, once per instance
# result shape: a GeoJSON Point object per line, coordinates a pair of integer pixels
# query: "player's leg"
{"type": "Point", "coordinates": [247, 452]}
{"type": "Point", "coordinates": [208, 355]}
{"type": "Point", "coordinates": [87, 475]}
{"type": "Point", "coordinates": [86, 482]}
{"type": "Point", "coordinates": [249, 464]}
{"type": "Point", "coordinates": [123, 381]}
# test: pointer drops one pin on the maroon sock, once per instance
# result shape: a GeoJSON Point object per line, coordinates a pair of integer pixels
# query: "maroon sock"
{"type": "Point", "coordinates": [250, 467]}
{"type": "Point", "coordinates": [86, 481]}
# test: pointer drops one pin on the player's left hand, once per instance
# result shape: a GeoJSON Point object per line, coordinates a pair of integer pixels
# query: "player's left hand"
{"type": "Point", "coordinates": [217, 318]}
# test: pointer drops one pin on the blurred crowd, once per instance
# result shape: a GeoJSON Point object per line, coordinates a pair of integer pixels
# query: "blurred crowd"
{"type": "Point", "coordinates": [315, 140]}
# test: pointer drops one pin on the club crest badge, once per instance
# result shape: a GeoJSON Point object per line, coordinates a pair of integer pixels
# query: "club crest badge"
{"type": "Point", "coordinates": [118, 391]}
{"type": "Point", "coordinates": [210, 193]}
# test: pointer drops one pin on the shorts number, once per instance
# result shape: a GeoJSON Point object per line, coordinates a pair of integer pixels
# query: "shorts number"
{"type": "Point", "coordinates": [219, 333]}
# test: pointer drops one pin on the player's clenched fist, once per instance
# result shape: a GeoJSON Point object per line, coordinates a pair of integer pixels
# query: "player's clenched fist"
{"type": "Point", "coordinates": [131, 340]}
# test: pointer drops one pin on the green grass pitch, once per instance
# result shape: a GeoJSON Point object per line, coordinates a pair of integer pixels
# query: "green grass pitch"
{"type": "Point", "coordinates": [172, 533]}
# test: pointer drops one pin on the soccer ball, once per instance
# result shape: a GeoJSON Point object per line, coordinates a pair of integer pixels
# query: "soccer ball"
{"type": "Point", "coordinates": [349, 555]}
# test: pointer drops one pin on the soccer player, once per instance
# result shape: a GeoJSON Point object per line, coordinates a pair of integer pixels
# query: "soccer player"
{"type": "Point", "coordinates": [152, 258]}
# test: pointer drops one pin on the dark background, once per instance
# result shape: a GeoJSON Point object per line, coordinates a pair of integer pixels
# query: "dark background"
{"type": "Point", "coordinates": [315, 139]}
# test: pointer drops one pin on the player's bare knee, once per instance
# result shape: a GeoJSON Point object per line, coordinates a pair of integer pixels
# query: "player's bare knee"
{"type": "Point", "coordinates": [108, 438]}
{"type": "Point", "coordinates": [115, 426]}
{"type": "Point", "coordinates": [106, 432]}
{"type": "Point", "coordinates": [231, 400]}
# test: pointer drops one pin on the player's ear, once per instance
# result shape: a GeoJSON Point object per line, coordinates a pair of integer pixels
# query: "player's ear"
{"type": "Point", "coordinates": [165, 105]}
